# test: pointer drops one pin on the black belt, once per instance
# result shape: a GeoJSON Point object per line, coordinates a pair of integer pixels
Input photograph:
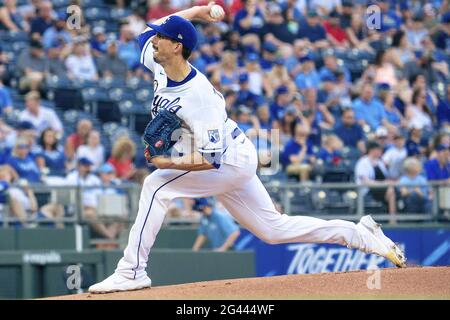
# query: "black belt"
{"type": "Point", "coordinates": [236, 133]}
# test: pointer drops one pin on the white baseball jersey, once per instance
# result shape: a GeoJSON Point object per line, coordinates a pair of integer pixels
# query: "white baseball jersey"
{"type": "Point", "coordinates": [233, 182]}
{"type": "Point", "coordinates": [206, 127]}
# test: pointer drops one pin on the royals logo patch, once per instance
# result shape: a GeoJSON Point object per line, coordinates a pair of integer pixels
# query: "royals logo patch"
{"type": "Point", "coordinates": [214, 135]}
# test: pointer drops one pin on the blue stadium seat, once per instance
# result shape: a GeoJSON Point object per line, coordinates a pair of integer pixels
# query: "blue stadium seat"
{"type": "Point", "coordinates": [120, 94]}
{"type": "Point", "coordinates": [97, 13]}
{"type": "Point", "coordinates": [144, 94]}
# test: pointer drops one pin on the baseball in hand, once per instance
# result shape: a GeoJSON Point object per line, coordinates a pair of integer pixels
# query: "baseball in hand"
{"type": "Point", "coordinates": [216, 12]}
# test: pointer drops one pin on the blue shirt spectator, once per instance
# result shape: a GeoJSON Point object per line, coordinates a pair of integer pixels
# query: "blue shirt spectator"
{"type": "Point", "coordinates": [218, 228]}
{"type": "Point", "coordinates": [308, 77]}
{"type": "Point", "coordinates": [349, 131]}
{"type": "Point", "coordinates": [5, 99]}
{"type": "Point", "coordinates": [56, 35]}
{"type": "Point", "coordinates": [368, 109]}
{"type": "Point", "coordinates": [256, 24]}
{"type": "Point", "coordinates": [443, 110]}
{"type": "Point", "coordinates": [293, 147]}
{"type": "Point", "coordinates": [24, 163]}
{"type": "Point", "coordinates": [311, 29]}
{"type": "Point", "coordinates": [439, 167]}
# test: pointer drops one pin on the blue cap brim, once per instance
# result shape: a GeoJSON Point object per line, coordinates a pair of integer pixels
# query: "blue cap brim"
{"type": "Point", "coordinates": [160, 30]}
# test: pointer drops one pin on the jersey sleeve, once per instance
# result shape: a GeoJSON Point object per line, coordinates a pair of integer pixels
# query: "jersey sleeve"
{"type": "Point", "coordinates": [147, 49]}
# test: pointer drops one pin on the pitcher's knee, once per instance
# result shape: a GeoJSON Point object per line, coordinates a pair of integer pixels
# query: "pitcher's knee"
{"type": "Point", "coordinates": [270, 238]}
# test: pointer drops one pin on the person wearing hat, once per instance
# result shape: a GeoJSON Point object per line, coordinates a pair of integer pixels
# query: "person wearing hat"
{"type": "Point", "coordinates": [245, 96]}
{"type": "Point", "coordinates": [312, 30]}
{"type": "Point", "coordinates": [221, 161]}
{"type": "Point", "coordinates": [250, 19]}
{"type": "Point", "coordinates": [99, 41]}
{"type": "Point", "coordinates": [84, 177]}
{"type": "Point", "coordinates": [438, 168]}
{"type": "Point", "coordinates": [80, 64]}
{"type": "Point", "coordinates": [57, 34]}
{"type": "Point", "coordinates": [23, 162]}
{"type": "Point", "coordinates": [215, 227]}
{"type": "Point", "coordinates": [308, 78]}
{"type": "Point", "coordinates": [371, 170]}
{"type": "Point", "coordinates": [281, 100]}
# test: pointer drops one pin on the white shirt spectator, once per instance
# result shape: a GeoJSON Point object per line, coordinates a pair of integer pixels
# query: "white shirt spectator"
{"type": "Point", "coordinates": [96, 155]}
{"type": "Point", "coordinates": [394, 158]}
{"type": "Point", "coordinates": [81, 67]}
{"type": "Point", "coordinates": [255, 82]}
{"type": "Point", "coordinates": [89, 198]}
{"type": "Point", "coordinates": [328, 5]}
{"type": "Point", "coordinates": [419, 119]}
{"type": "Point", "coordinates": [365, 170]}
{"type": "Point", "coordinates": [46, 118]}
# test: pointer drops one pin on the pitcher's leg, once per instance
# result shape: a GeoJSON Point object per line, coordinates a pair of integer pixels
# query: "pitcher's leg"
{"type": "Point", "coordinates": [153, 204]}
{"type": "Point", "coordinates": [252, 206]}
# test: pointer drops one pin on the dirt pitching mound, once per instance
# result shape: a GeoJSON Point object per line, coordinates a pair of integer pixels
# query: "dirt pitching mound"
{"type": "Point", "coordinates": [409, 283]}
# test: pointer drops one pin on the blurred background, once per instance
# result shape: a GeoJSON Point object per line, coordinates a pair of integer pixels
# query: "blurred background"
{"type": "Point", "coordinates": [349, 108]}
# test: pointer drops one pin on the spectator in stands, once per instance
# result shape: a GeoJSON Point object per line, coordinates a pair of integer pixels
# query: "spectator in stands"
{"type": "Point", "coordinates": [325, 7]}
{"type": "Point", "coordinates": [57, 34]}
{"type": "Point", "coordinates": [41, 117]}
{"type": "Point", "coordinates": [390, 21]}
{"type": "Point", "coordinates": [394, 157]}
{"type": "Point", "coordinates": [308, 77]}
{"type": "Point", "coordinates": [370, 170]}
{"type": "Point", "coordinates": [394, 117]}
{"type": "Point", "coordinates": [76, 139]}
{"type": "Point", "coordinates": [418, 114]}
{"type": "Point", "coordinates": [98, 43]}
{"type": "Point", "coordinates": [416, 31]}
{"type": "Point", "coordinates": [336, 35]}
{"type": "Point", "coordinates": [331, 151]}
{"type": "Point", "coordinates": [250, 19]}
{"type": "Point", "coordinates": [32, 66]}
{"type": "Point", "coordinates": [281, 101]}
{"type": "Point", "coordinates": [358, 34]}
{"type": "Point", "coordinates": [298, 154]}
{"type": "Point", "coordinates": [443, 110]}
{"type": "Point", "coordinates": [217, 228]}
{"type": "Point", "coordinates": [402, 51]}
{"type": "Point", "coordinates": [277, 26]}
{"type": "Point", "coordinates": [128, 49]}
{"type": "Point", "coordinates": [442, 32]}
{"type": "Point", "coordinates": [80, 64]}
{"type": "Point", "coordinates": [255, 74]}
{"type": "Point", "coordinates": [160, 9]}
{"type": "Point", "coordinates": [123, 152]}
{"type": "Point", "coordinates": [287, 125]}
{"type": "Point", "coordinates": [43, 20]}
{"type": "Point", "coordinates": [136, 20]}
{"type": "Point", "coordinates": [23, 162]}
{"type": "Point", "coordinates": [50, 154]}
{"type": "Point", "coordinates": [269, 51]}
{"type": "Point", "coordinates": [245, 96]}
{"type": "Point", "coordinates": [227, 74]}
{"type": "Point", "coordinates": [23, 129]}
{"type": "Point", "coordinates": [6, 106]}
{"type": "Point", "coordinates": [415, 144]}
{"type": "Point", "coordinates": [277, 77]}
{"type": "Point", "coordinates": [313, 31]}
{"type": "Point", "coordinates": [246, 121]}
{"type": "Point", "coordinates": [23, 202]}
{"type": "Point", "coordinates": [438, 169]}
{"type": "Point", "coordinates": [331, 68]}
{"type": "Point", "coordinates": [92, 150]}
{"type": "Point", "coordinates": [10, 18]}
{"type": "Point", "coordinates": [299, 50]}
{"type": "Point", "coordinates": [414, 190]}
{"type": "Point", "coordinates": [384, 69]}
{"type": "Point", "coordinates": [56, 66]}
{"type": "Point", "coordinates": [368, 110]}
{"type": "Point", "coordinates": [350, 132]}
{"type": "Point", "coordinates": [83, 177]}
{"type": "Point", "coordinates": [110, 65]}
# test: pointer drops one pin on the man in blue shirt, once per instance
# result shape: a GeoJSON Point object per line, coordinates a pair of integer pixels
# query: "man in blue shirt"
{"type": "Point", "coordinates": [312, 29]}
{"type": "Point", "coordinates": [351, 133]}
{"type": "Point", "coordinates": [308, 77]}
{"type": "Point", "coordinates": [443, 110]}
{"type": "Point", "coordinates": [368, 110]}
{"type": "Point", "coordinates": [438, 169]}
{"type": "Point", "coordinates": [23, 162]}
{"type": "Point", "coordinates": [219, 229]}
{"type": "Point", "coordinates": [280, 103]}
{"type": "Point", "coordinates": [56, 35]}
{"type": "Point", "coordinates": [249, 19]}
{"type": "Point", "coordinates": [390, 21]}
{"type": "Point", "coordinates": [5, 100]}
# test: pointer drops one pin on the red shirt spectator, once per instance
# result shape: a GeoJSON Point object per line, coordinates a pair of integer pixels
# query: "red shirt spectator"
{"type": "Point", "coordinates": [333, 28]}
{"type": "Point", "coordinates": [160, 10]}
{"type": "Point", "coordinates": [77, 138]}
{"type": "Point", "coordinates": [121, 159]}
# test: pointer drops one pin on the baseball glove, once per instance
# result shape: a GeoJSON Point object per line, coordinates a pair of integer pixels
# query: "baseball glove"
{"type": "Point", "coordinates": [158, 133]}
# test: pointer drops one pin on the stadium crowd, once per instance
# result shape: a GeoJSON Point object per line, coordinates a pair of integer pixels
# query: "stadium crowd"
{"type": "Point", "coordinates": [347, 101]}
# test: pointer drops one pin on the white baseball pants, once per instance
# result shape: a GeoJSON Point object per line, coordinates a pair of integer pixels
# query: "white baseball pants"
{"type": "Point", "coordinates": [244, 196]}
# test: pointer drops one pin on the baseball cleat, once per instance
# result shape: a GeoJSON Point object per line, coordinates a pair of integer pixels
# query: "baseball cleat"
{"type": "Point", "coordinates": [116, 282]}
{"type": "Point", "coordinates": [385, 247]}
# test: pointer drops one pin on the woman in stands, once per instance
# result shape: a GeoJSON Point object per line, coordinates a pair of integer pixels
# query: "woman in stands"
{"type": "Point", "coordinates": [50, 154]}
{"type": "Point", "coordinates": [121, 159]}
